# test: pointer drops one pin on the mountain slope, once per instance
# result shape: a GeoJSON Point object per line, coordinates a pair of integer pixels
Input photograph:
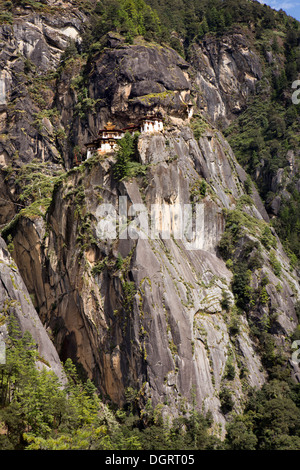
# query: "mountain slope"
{"type": "Point", "coordinates": [175, 322]}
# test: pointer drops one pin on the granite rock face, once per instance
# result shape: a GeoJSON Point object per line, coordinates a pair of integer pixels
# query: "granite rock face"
{"type": "Point", "coordinates": [228, 70]}
{"type": "Point", "coordinates": [141, 309]}
{"type": "Point", "coordinates": [145, 311]}
{"type": "Point", "coordinates": [15, 300]}
{"type": "Point", "coordinates": [30, 51]}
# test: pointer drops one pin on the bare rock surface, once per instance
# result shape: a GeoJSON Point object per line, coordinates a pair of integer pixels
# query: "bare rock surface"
{"type": "Point", "coordinates": [15, 300]}
{"type": "Point", "coordinates": [146, 310]}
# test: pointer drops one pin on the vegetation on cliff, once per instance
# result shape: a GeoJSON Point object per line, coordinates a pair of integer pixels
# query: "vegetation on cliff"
{"type": "Point", "coordinates": [35, 412]}
{"type": "Point", "coordinates": [265, 136]}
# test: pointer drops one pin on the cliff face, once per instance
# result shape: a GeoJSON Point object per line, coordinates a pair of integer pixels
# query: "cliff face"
{"type": "Point", "coordinates": [227, 71]}
{"type": "Point", "coordinates": [30, 53]}
{"type": "Point", "coordinates": [153, 313]}
{"type": "Point", "coordinates": [16, 301]}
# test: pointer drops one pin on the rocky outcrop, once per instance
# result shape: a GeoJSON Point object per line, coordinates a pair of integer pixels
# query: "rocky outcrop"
{"type": "Point", "coordinates": [149, 77]}
{"type": "Point", "coordinates": [125, 83]}
{"type": "Point", "coordinates": [147, 312]}
{"type": "Point", "coordinates": [31, 49]}
{"type": "Point", "coordinates": [227, 71]}
{"type": "Point", "coordinates": [151, 310]}
{"type": "Point", "coordinates": [15, 300]}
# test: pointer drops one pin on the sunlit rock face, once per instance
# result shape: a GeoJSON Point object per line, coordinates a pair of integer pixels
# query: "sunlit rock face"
{"type": "Point", "coordinates": [228, 69]}
{"type": "Point", "coordinates": [145, 306]}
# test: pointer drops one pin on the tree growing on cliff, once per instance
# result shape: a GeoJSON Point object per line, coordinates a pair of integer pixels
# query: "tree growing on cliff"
{"type": "Point", "coordinates": [126, 164]}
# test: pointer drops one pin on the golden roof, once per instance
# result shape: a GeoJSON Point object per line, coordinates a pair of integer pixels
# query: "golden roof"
{"type": "Point", "coordinates": [109, 126]}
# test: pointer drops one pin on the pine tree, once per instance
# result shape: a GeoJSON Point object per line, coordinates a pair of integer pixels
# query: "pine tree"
{"type": "Point", "coordinates": [124, 156]}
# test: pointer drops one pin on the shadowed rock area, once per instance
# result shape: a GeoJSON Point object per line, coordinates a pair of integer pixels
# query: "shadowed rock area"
{"type": "Point", "coordinates": [15, 300]}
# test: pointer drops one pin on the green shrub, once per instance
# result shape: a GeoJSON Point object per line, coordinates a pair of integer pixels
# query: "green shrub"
{"type": "Point", "coordinates": [256, 261]}
{"type": "Point", "coordinates": [275, 264]}
{"type": "Point", "coordinates": [99, 267]}
{"type": "Point", "coordinates": [229, 372]}
{"type": "Point", "coordinates": [226, 400]}
{"type": "Point", "coordinates": [6, 17]}
{"type": "Point", "coordinates": [268, 239]}
{"type": "Point", "coordinates": [119, 261]}
{"type": "Point", "coordinates": [126, 166]}
{"type": "Point", "coordinates": [226, 247]}
{"type": "Point", "coordinates": [248, 185]}
{"type": "Point", "coordinates": [199, 126]}
{"type": "Point", "coordinates": [129, 291]}
{"type": "Point", "coordinates": [226, 300]}
{"type": "Point", "coordinates": [241, 287]}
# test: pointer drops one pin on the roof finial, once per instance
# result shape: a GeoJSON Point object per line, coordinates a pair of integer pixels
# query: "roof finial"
{"type": "Point", "coordinates": [109, 126]}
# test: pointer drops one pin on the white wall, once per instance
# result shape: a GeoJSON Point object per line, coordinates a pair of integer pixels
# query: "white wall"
{"type": "Point", "coordinates": [155, 126]}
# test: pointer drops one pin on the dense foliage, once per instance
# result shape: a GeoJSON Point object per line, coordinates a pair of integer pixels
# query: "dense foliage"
{"type": "Point", "coordinates": [36, 412]}
{"type": "Point", "coordinates": [265, 137]}
{"type": "Point", "coordinates": [180, 22]}
{"type": "Point", "coordinates": [271, 420]}
{"type": "Point", "coordinates": [127, 164]}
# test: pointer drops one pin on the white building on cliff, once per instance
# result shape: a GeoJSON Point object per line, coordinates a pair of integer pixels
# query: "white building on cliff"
{"type": "Point", "coordinates": [108, 137]}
